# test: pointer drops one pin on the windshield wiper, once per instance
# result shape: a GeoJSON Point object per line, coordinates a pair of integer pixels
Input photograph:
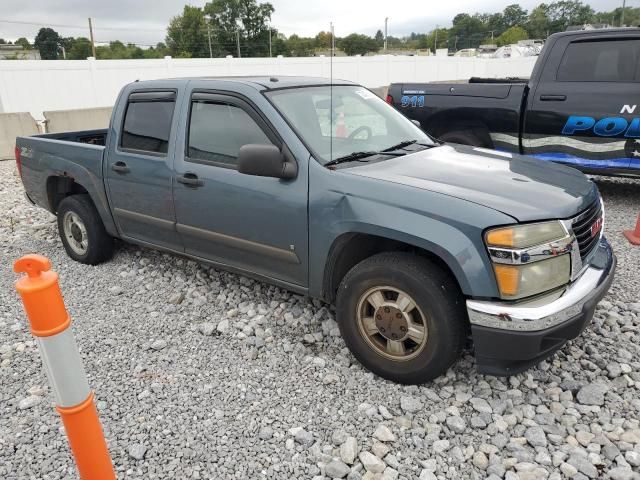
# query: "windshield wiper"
{"type": "Point", "coordinates": [406, 143]}
{"type": "Point", "coordinates": [352, 157]}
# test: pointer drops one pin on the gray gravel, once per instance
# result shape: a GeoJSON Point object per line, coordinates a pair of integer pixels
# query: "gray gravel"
{"type": "Point", "coordinates": [199, 373]}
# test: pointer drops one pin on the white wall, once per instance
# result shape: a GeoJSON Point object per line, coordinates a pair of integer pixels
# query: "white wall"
{"type": "Point", "coordinates": [36, 86]}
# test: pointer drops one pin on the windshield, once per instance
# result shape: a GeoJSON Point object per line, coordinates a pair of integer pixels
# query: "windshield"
{"type": "Point", "coordinates": [354, 120]}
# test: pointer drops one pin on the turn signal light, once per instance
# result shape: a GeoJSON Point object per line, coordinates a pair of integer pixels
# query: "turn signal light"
{"type": "Point", "coordinates": [389, 100]}
{"type": "Point", "coordinates": [508, 277]}
{"type": "Point", "coordinates": [502, 237]}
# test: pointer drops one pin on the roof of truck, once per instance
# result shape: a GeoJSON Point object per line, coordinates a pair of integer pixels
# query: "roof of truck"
{"type": "Point", "coordinates": [273, 81]}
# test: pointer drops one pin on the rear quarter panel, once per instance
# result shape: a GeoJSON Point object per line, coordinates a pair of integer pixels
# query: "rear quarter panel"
{"type": "Point", "coordinates": [443, 108]}
{"type": "Point", "coordinates": [44, 158]}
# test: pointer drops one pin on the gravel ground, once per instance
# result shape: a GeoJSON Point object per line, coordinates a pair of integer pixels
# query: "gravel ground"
{"type": "Point", "coordinates": [200, 373]}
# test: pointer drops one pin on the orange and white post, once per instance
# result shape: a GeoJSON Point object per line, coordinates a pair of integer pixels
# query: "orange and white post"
{"type": "Point", "coordinates": [50, 325]}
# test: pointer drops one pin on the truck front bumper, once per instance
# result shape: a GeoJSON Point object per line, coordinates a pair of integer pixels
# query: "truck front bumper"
{"type": "Point", "coordinates": [511, 337]}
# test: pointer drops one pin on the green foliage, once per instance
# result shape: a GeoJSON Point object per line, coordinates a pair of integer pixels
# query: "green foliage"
{"type": "Point", "coordinates": [512, 35]}
{"type": "Point", "coordinates": [356, 44]}
{"type": "Point", "coordinates": [187, 34]}
{"type": "Point", "coordinates": [23, 42]}
{"type": "Point", "coordinates": [249, 18]}
{"type": "Point", "coordinates": [48, 43]}
{"type": "Point", "coordinates": [80, 49]}
{"type": "Point", "coordinates": [224, 21]}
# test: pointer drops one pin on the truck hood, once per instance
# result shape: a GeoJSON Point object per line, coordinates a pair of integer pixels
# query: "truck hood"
{"type": "Point", "coordinates": [522, 187]}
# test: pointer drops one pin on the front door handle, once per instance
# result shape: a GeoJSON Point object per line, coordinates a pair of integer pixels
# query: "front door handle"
{"type": "Point", "coordinates": [553, 98]}
{"type": "Point", "coordinates": [190, 180]}
{"type": "Point", "coordinates": [120, 167]}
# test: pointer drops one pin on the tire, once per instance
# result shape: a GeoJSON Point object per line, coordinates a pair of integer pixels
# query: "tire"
{"type": "Point", "coordinates": [467, 137]}
{"type": "Point", "coordinates": [82, 231]}
{"type": "Point", "coordinates": [439, 306]}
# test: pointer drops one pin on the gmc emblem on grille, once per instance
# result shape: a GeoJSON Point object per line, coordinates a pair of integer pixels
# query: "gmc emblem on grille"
{"type": "Point", "coordinates": [596, 227]}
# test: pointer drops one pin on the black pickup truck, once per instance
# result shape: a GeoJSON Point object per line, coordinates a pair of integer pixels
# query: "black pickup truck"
{"type": "Point", "coordinates": [579, 107]}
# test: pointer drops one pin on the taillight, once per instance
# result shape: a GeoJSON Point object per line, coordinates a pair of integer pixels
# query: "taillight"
{"type": "Point", "coordinates": [389, 99]}
{"type": "Point", "coordinates": [18, 160]}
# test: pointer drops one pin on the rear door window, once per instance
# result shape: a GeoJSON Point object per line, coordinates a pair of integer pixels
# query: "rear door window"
{"type": "Point", "coordinates": [600, 61]}
{"type": "Point", "coordinates": [147, 122]}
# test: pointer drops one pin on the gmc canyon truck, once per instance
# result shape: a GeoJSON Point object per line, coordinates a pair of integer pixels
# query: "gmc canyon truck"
{"type": "Point", "coordinates": [580, 106]}
{"type": "Point", "coordinates": [325, 190]}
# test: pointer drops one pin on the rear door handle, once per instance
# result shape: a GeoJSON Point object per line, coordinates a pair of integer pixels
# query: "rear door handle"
{"type": "Point", "coordinates": [553, 98]}
{"type": "Point", "coordinates": [120, 167]}
{"type": "Point", "coordinates": [190, 180]}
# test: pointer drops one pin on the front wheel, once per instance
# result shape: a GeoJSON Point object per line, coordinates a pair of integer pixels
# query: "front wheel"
{"type": "Point", "coordinates": [402, 316]}
{"type": "Point", "coordinates": [82, 232]}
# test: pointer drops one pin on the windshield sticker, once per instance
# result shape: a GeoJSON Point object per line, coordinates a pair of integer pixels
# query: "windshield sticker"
{"type": "Point", "coordinates": [366, 94]}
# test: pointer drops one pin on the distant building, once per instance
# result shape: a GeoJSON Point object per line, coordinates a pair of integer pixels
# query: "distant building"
{"type": "Point", "coordinates": [588, 26]}
{"type": "Point", "coordinates": [16, 52]}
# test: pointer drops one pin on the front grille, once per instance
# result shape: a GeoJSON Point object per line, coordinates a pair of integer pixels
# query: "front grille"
{"type": "Point", "coordinates": [582, 228]}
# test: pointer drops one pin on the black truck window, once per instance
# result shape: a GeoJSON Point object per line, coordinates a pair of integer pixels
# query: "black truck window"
{"type": "Point", "coordinates": [147, 122]}
{"type": "Point", "coordinates": [600, 61]}
{"type": "Point", "coordinates": [218, 130]}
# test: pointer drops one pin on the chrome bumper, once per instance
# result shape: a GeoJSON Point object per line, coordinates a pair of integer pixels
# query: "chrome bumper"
{"type": "Point", "coordinates": [555, 309]}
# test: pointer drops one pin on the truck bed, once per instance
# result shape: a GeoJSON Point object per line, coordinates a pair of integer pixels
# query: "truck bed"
{"type": "Point", "coordinates": [77, 155]}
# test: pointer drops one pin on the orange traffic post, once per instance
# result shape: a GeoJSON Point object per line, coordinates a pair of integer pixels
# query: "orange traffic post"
{"type": "Point", "coordinates": [50, 322]}
{"type": "Point", "coordinates": [633, 235]}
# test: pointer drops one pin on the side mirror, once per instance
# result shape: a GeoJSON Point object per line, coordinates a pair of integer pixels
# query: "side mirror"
{"type": "Point", "coordinates": [416, 123]}
{"type": "Point", "coordinates": [266, 161]}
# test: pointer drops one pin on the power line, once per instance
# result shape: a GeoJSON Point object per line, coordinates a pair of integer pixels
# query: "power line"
{"type": "Point", "coordinates": [82, 27]}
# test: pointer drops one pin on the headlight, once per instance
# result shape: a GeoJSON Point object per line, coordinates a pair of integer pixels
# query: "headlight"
{"type": "Point", "coordinates": [521, 236]}
{"type": "Point", "coordinates": [530, 259]}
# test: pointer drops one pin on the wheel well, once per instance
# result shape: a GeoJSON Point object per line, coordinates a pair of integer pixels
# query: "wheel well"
{"type": "Point", "coordinates": [351, 248]}
{"type": "Point", "coordinates": [455, 121]}
{"type": "Point", "coordinates": [58, 188]}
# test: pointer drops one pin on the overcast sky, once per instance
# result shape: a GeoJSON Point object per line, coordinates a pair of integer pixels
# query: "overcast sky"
{"type": "Point", "coordinates": [144, 22]}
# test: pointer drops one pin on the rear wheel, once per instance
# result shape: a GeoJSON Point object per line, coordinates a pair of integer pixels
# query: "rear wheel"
{"type": "Point", "coordinates": [82, 232]}
{"type": "Point", "coordinates": [402, 316]}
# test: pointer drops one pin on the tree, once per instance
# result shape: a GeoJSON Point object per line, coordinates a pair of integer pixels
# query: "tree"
{"type": "Point", "coordinates": [300, 46]}
{"type": "Point", "coordinates": [514, 15]}
{"type": "Point", "coordinates": [48, 42]}
{"type": "Point", "coordinates": [323, 40]}
{"type": "Point", "coordinates": [379, 37]}
{"type": "Point", "coordinates": [187, 34]}
{"type": "Point", "coordinates": [512, 35]}
{"type": "Point", "coordinates": [539, 24]}
{"type": "Point", "coordinates": [248, 18]}
{"type": "Point", "coordinates": [565, 13]}
{"type": "Point", "coordinates": [356, 44]}
{"type": "Point", "coordinates": [467, 31]}
{"type": "Point", "coordinates": [80, 50]}
{"type": "Point", "coordinates": [23, 42]}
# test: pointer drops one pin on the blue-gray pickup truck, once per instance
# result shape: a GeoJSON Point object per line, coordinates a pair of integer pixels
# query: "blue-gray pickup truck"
{"type": "Point", "coordinates": [424, 248]}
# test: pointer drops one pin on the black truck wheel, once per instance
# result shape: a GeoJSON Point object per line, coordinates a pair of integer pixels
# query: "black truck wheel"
{"type": "Point", "coordinates": [402, 316]}
{"type": "Point", "coordinates": [82, 232]}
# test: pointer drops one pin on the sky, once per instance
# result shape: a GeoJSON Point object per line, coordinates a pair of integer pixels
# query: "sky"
{"type": "Point", "coordinates": [145, 22]}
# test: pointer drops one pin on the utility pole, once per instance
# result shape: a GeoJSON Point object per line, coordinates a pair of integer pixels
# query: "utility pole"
{"type": "Point", "coordinates": [238, 42]}
{"type": "Point", "coordinates": [93, 44]}
{"type": "Point", "coordinates": [386, 20]}
{"type": "Point", "coordinates": [270, 54]}
{"type": "Point", "coordinates": [624, 4]}
{"type": "Point", "coordinates": [207, 18]}
{"type": "Point", "coordinates": [455, 45]}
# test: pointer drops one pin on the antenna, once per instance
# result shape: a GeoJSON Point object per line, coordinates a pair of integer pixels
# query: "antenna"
{"type": "Point", "coordinates": [333, 47]}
